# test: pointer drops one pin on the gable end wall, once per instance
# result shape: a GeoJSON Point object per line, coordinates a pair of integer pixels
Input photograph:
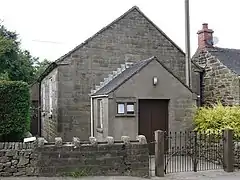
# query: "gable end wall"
{"type": "Point", "coordinates": [132, 38]}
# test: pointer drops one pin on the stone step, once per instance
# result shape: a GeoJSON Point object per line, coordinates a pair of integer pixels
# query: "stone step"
{"type": "Point", "coordinates": [115, 73]}
{"type": "Point", "coordinates": [106, 80]}
{"type": "Point", "coordinates": [119, 70]}
{"type": "Point", "coordinates": [110, 77]}
{"type": "Point", "coordinates": [101, 84]}
{"type": "Point", "coordinates": [128, 64]}
{"type": "Point", "coordinates": [97, 87]}
{"type": "Point", "coordinates": [93, 91]}
{"type": "Point", "coordinates": [123, 67]}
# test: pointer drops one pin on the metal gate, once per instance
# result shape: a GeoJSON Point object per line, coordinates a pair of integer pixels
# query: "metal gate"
{"type": "Point", "coordinates": [193, 151]}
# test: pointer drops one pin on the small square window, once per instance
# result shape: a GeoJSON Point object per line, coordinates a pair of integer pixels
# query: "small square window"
{"type": "Point", "coordinates": [120, 108]}
{"type": "Point", "coordinates": [130, 108]}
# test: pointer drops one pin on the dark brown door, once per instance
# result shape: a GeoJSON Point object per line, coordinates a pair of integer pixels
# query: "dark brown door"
{"type": "Point", "coordinates": [153, 115]}
{"type": "Point", "coordinates": [34, 118]}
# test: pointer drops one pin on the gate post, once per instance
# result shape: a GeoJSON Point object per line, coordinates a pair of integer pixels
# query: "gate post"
{"type": "Point", "coordinates": [228, 150]}
{"type": "Point", "coordinates": [159, 153]}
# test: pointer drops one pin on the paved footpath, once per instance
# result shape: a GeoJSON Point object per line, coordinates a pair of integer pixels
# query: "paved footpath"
{"type": "Point", "coordinates": [206, 175]}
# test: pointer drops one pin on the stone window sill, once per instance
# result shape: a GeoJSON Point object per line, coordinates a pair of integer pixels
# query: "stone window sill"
{"type": "Point", "coordinates": [125, 115]}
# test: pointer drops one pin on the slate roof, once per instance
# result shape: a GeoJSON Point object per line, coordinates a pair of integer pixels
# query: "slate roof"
{"type": "Point", "coordinates": [229, 57]}
{"type": "Point", "coordinates": [128, 73]}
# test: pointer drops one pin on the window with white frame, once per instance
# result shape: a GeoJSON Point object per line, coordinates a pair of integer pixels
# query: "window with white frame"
{"type": "Point", "coordinates": [50, 96]}
{"type": "Point", "coordinates": [125, 108]}
{"type": "Point", "coordinates": [130, 108]}
{"type": "Point", "coordinates": [100, 113]}
{"type": "Point", "coordinates": [120, 108]}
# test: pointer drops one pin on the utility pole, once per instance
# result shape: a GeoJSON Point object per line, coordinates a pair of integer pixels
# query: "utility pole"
{"type": "Point", "coordinates": [187, 46]}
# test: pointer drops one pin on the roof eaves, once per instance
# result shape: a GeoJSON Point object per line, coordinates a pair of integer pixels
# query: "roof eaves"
{"type": "Point", "coordinates": [51, 66]}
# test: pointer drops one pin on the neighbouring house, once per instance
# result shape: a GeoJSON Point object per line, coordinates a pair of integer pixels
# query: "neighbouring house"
{"type": "Point", "coordinates": [221, 66]}
{"type": "Point", "coordinates": [140, 99]}
{"type": "Point", "coordinates": [66, 85]}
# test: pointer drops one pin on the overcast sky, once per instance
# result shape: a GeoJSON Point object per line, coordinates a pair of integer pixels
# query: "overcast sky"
{"type": "Point", "coordinates": [67, 23]}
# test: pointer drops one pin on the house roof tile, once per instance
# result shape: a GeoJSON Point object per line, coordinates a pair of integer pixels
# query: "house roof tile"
{"type": "Point", "coordinates": [229, 57]}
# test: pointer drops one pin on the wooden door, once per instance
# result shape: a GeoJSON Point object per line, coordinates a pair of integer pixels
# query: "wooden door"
{"type": "Point", "coordinates": [34, 118]}
{"type": "Point", "coordinates": [153, 115]}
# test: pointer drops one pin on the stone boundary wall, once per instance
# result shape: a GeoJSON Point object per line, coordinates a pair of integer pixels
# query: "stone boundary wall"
{"type": "Point", "coordinates": [76, 158]}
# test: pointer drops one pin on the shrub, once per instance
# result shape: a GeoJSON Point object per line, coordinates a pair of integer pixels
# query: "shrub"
{"type": "Point", "coordinates": [217, 118]}
{"type": "Point", "coordinates": [14, 110]}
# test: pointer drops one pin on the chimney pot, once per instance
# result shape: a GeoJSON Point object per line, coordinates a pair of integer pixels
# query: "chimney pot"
{"type": "Point", "coordinates": [205, 25]}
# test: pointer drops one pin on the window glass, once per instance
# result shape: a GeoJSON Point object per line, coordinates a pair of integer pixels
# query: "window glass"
{"type": "Point", "coordinates": [130, 108]}
{"type": "Point", "coordinates": [50, 95]}
{"type": "Point", "coordinates": [43, 97]}
{"type": "Point", "coordinates": [100, 113]}
{"type": "Point", "coordinates": [120, 108]}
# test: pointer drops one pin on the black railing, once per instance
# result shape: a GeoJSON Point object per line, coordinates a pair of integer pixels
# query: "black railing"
{"type": "Point", "coordinates": [236, 150]}
{"type": "Point", "coordinates": [193, 151]}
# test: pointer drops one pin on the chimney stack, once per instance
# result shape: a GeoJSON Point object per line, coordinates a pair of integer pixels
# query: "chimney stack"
{"type": "Point", "coordinates": [205, 37]}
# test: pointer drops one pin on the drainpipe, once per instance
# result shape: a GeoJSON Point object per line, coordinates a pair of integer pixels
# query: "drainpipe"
{"type": "Point", "coordinates": [201, 88]}
{"type": "Point", "coordinates": [97, 96]}
{"type": "Point", "coordinates": [187, 44]}
{"type": "Point", "coordinates": [238, 90]}
{"type": "Point", "coordinates": [39, 109]}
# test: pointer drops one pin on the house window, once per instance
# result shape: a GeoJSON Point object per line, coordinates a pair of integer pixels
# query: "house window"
{"type": "Point", "coordinates": [43, 98]}
{"type": "Point", "coordinates": [125, 108]}
{"type": "Point", "coordinates": [121, 108]}
{"type": "Point", "coordinates": [50, 96]}
{"type": "Point", "coordinates": [130, 108]}
{"type": "Point", "coordinates": [100, 113]}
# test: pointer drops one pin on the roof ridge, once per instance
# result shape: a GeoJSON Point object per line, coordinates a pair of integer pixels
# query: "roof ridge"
{"type": "Point", "coordinates": [226, 48]}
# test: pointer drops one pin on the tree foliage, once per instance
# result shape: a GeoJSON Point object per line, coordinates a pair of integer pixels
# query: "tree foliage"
{"type": "Point", "coordinates": [217, 118]}
{"type": "Point", "coordinates": [14, 110]}
{"type": "Point", "coordinates": [17, 64]}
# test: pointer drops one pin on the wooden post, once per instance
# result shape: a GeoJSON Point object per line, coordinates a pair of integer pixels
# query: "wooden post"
{"type": "Point", "coordinates": [228, 151]}
{"type": "Point", "coordinates": [159, 153]}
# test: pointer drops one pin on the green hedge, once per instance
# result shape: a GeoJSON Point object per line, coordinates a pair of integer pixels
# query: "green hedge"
{"type": "Point", "coordinates": [14, 110]}
{"type": "Point", "coordinates": [217, 118]}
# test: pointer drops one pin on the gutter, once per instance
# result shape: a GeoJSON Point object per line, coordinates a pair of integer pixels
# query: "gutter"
{"type": "Point", "coordinates": [91, 120]}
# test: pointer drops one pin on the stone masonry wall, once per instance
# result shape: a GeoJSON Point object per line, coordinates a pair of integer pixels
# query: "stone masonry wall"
{"type": "Point", "coordinates": [75, 159]}
{"type": "Point", "coordinates": [131, 39]}
{"type": "Point", "coordinates": [17, 159]}
{"type": "Point", "coordinates": [49, 123]}
{"type": "Point", "coordinates": [219, 82]}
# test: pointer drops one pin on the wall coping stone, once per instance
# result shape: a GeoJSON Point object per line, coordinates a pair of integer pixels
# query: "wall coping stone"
{"type": "Point", "coordinates": [40, 143]}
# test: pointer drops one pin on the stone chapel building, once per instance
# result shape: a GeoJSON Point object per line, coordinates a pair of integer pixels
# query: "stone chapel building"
{"type": "Point", "coordinates": [127, 79]}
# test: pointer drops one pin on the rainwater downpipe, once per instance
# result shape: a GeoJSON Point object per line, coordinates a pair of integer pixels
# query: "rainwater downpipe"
{"type": "Point", "coordinates": [92, 97]}
{"type": "Point", "coordinates": [187, 46]}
